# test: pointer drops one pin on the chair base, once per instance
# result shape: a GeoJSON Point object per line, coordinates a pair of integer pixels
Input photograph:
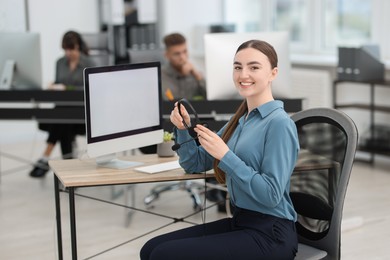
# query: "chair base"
{"type": "Point", "coordinates": [306, 252]}
{"type": "Point", "coordinates": [193, 188]}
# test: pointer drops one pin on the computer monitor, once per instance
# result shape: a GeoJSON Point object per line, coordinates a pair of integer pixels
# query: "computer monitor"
{"type": "Point", "coordinates": [220, 49]}
{"type": "Point", "coordinates": [122, 110]}
{"type": "Point", "coordinates": [20, 60]}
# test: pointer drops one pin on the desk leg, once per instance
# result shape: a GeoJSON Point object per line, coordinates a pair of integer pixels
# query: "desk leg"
{"type": "Point", "coordinates": [372, 119]}
{"type": "Point", "coordinates": [58, 216]}
{"type": "Point", "coordinates": [72, 223]}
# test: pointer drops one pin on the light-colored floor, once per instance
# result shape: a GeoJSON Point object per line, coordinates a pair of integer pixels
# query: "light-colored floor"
{"type": "Point", "coordinates": [28, 228]}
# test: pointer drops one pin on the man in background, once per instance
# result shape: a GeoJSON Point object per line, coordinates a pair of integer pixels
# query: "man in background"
{"type": "Point", "coordinates": [180, 79]}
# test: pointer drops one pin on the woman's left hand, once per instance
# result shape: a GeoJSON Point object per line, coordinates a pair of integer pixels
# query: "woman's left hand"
{"type": "Point", "coordinates": [211, 142]}
{"type": "Point", "coordinates": [57, 87]}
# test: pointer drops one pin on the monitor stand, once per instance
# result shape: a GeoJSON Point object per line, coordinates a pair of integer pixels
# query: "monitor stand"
{"type": "Point", "coordinates": [112, 162]}
{"type": "Point", "coordinates": [7, 75]}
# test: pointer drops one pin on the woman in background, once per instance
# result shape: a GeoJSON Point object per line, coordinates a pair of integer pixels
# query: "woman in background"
{"type": "Point", "coordinates": [69, 76]}
{"type": "Point", "coordinates": [254, 154]}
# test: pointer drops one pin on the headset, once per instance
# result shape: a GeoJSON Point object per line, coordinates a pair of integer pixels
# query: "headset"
{"type": "Point", "coordinates": [184, 102]}
{"type": "Point", "coordinates": [193, 122]}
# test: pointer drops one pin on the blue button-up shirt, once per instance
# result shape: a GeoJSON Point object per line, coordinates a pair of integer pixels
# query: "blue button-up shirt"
{"type": "Point", "coordinates": [263, 152]}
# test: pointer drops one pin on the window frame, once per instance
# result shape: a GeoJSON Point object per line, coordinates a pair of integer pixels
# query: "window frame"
{"type": "Point", "coordinates": [315, 45]}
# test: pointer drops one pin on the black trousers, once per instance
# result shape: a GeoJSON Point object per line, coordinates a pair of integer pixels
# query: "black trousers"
{"type": "Point", "coordinates": [63, 133]}
{"type": "Point", "coordinates": [247, 235]}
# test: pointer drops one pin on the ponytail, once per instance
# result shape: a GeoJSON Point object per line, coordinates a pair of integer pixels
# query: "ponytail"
{"type": "Point", "coordinates": [229, 130]}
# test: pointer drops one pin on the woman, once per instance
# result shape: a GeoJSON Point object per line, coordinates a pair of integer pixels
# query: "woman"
{"type": "Point", "coordinates": [69, 76]}
{"type": "Point", "coordinates": [254, 154]}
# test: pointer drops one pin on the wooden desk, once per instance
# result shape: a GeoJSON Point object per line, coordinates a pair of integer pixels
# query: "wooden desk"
{"type": "Point", "coordinates": [85, 173]}
{"type": "Point", "coordinates": [77, 173]}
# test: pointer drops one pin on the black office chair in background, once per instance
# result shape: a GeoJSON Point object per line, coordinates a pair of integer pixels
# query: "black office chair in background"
{"type": "Point", "coordinates": [99, 51]}
{"type": "Point", "coordinates": [146, 55]}
{"type": "Point", "coordinates": [326, 136]}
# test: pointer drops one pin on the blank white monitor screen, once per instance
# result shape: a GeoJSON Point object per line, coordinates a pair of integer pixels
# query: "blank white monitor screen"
{"type": "Point", "coordinates": [220, 49]}
{"type": "Point", "coordinates": [123, 107]}
{"type": "Point", "coordinates": [24, 50]}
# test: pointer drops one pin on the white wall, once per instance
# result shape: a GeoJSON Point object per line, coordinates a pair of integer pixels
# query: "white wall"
{"type": "Point", "coordinates": [12, 15]}
{"type": "Point", "coordinates": [191, 18]}
{"type": "Point", "coordinates": [52, 18]}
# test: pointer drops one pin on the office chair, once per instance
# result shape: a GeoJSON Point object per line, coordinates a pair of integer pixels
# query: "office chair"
{"type": "Point", "coordinates": [325, 134]}
{"type": "Point", "coordinates": [146, 55]}
{"type": "Point", "coordinates": [99, 50]}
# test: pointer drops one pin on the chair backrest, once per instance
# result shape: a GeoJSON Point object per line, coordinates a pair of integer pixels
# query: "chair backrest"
{"type": "Point", "coordinates": [147, 55]}
{"type": "Point", "coordinates": [98, 48]}
{"type": "Point", "coordinates": [325, 134]}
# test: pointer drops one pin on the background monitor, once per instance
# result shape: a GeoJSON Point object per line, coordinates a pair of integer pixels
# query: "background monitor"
{"type": "Point", "coordinates": [218, 28]}
{"type": "Point", "coordinates": [20, 60]}
{"type": "Point", "coordinates": [219, 54]}
{"type": "Point", "coordinates": [123, 110]}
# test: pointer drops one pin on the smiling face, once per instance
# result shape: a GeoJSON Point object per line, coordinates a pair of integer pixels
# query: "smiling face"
{"type": "Point", "coordinates": [253, 75]}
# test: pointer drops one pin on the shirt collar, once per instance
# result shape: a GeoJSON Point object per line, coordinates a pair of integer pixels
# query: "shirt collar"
{"type": "Point", "coordinates": [170, 70]}
{"type": "Point", "coordinates": [269, 107]}
{"type": "Point", "coordinates": [265, 109]}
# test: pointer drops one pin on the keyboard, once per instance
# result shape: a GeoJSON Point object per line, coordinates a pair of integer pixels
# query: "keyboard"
{"type": "Point", "coordinates": [159, 167]}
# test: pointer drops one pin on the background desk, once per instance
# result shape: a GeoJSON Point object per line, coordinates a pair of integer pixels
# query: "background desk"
{"type": "Point", "coordinates": [44, 106]}
{"type": "Point", "coordinates": [85, 173]}
{"type": "Point", "coordinates": [51, 106]}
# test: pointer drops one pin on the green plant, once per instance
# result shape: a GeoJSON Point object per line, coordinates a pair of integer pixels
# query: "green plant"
{"type": "Point", "coordinates": [167, 136]}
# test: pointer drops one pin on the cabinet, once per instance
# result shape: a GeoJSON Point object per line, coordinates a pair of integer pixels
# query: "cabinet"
{"type": "Point", "coordinates": [373, 145]}
{"type": "Point", "coordinates": [132, 27]}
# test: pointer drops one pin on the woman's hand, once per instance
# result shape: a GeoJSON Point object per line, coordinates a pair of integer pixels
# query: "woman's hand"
{"type": "Point", "coordinates": [57, 87]}
{"type": "Point", "coordinates": [189, 69]}
{"type": "Point", "coordinates": [176, 118]}
{"type": "Point", "coordinates": [211, 142]}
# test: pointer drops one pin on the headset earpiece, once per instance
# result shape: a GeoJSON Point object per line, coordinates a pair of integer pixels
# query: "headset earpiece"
{"type": "Point", "coordinates": [190, 128]}
{"type": "Point", "coordinates": [190, 109]}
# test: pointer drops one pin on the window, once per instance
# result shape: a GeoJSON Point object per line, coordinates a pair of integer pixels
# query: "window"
{"type": "Point", "coordinates": [293, 16]}
{"type": "Point", "coordinates": [316, 27]}
{"type": "Point", "coordinates": [347, 22]}
{"type": "Point", "coordinates": [245, 14]}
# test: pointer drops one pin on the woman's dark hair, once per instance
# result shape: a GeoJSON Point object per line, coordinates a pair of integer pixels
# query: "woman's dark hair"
{"type": "Point", "coordinates": [72, 40]}
{"type": "Point", "coordinates": [268, 51]}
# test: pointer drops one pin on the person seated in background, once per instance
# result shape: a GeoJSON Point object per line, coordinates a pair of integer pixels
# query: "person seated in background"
{"type": "Point", "coordinates": [69, 76]}
{"type": "Point", "coordinates": [180, 79]}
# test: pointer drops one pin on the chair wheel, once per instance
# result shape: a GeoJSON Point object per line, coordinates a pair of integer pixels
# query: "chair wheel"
{"type": "Point", "coordinates": [150, 198]}
{"type": "Point", "coordinates": [197, 207]}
